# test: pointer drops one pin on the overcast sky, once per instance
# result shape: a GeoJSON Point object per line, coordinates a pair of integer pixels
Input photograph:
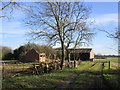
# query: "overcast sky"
{"type": "Point", "coordinates": [105, 15]}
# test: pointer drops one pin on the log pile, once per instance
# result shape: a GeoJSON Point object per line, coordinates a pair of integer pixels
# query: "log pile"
{"type": "Point", "coordinates": [41, 68]}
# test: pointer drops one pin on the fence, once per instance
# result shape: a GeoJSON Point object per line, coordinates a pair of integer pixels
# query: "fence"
{"type": "Point", "coordinates": [11, 70]}
{"type": "Point", "coordinates": [52, 66]}
{"type": "Point", "coordinates": [102, 66]}
{"type": "Point", "coordinates": [103, 63]}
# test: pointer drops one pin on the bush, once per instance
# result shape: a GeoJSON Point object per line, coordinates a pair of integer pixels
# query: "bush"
{"type": "Point", "coordinates": [6, 53]}
{"type": "Point", "coordinates": [22, 50]}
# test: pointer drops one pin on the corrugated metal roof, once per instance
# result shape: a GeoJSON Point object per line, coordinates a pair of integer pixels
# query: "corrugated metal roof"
{"type": "Point", "coordinates": [79, 50]}
{"type": "Point", "coordinates": [83, 50]}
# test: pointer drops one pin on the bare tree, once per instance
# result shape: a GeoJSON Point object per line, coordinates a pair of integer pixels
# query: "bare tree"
{"type": "Point", "coordinates": [114, 34]}
{"type": "Point", "coordinates": [60, 22]}
{"type": "Point", "coordinates": [6, 5]}
{"type": "Point", "coordinates": [7, 8]}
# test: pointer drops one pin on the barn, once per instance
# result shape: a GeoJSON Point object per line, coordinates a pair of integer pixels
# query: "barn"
{"type": "Point", "coordinates": [84, 54]}
{"type": "Point", "coordinates": [34, 56]}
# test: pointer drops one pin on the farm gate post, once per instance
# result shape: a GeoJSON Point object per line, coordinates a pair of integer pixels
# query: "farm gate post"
{"type": "Point", "coordinates": [109, 65]}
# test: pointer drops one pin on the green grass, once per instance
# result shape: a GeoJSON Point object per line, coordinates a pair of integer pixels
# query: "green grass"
{"type": "Point", "coordinates": [10, 70]}
{"type": "Point", "coordinates": [117, 60]}
{"type": "Point", "coordinates": [93, 77]}
{"type": "Point", "coordinates": [35, 81]}
{"type": "Point", "coordinates": [96, 67]}
{"type": "Point", "coordinates": [86, 77]}
{"type": "Point", "coordinates": [112, 78]}
{"type": "Point", "coordinates": [112, 75]}
{"type": "Point", "coordinates": [42, 81]}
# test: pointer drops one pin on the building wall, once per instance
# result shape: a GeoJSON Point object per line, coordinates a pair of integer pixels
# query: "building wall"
{"type": "Point", "coordinates": [91, 54]}
{"type": "Point", "coordinates": [42, 58]}
{"type": "Point", "coordinates": [32, 55]}
{"type": "Point", "coordinates": [80, 56]}
{"type": "Point", "coordinates": [84, 56]}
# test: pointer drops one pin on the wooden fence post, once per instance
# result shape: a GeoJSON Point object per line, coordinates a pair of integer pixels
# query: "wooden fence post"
{"type": "Point", "coordinates": [102, 69]}
{"type": "Point", "coordinates": [55, 66]}
{"type": "Point", "coordinates": [33, 68]}
{"type": "Point", "coordinates": [74, 63]}
{"type": "Point", "coordinates": [71, 64]}
{"type": "Point", "coordinates": [69, 57]}
{"type": "Point", "coordinates": [59, 66]}
{"type": "Point", "coordinates": [36, 69]}
{"type": "Point", "coordinates": [3, 70]}
{"type": "Point", "coordinates": [79, 62]}
{"type": "Point", "coordinates": [109, 65]}
{"type": "Point", "coordinates": [68, 65]}
{"type": "Point", "coordinates": [46, 68]}
{"type": "Point", "coordinates": [102, 65]}
{"type": "Point", "coordinates": [3, 67]}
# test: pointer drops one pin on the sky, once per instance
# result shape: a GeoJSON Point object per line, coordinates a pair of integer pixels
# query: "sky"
{"type": "Point", "coordinates": [105, 14]}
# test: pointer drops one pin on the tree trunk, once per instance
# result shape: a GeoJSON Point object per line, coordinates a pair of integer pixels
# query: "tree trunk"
{"type": "Point", "coordinates": [63, 56]}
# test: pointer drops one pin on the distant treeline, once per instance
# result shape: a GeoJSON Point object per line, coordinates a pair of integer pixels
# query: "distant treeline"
{"type": "Point", "coordinates": [8, 54]}
{"type": "Point", "coordinates": [105, 56]}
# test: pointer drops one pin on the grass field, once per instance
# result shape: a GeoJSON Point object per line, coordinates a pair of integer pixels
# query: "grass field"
{"type": "Point", "coordinates": [42, 81]}
{"type": "Point", "coordinates": [86, 75]}
{"type": "Point", "coordinates": [110, 59]}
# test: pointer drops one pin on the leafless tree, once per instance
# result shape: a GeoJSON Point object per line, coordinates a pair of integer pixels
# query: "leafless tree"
{"type": "Point", "coordinates": [6, 5]}
{"type": "Point", "coordinates": [7, 8]}
{"type": "Point", "coordinates": [60, 22]}
{"type": "Point", "coordinates": [114, 34]}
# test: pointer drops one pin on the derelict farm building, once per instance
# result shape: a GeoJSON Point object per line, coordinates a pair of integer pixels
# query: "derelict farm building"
{"type": "Point", "coordinates": [84, 54]}
{"type": "Point", "coordinates": [34, 56]}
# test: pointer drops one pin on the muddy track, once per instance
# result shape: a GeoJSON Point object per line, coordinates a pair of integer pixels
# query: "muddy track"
{"type": "Point", "coordinates": [68, 81]}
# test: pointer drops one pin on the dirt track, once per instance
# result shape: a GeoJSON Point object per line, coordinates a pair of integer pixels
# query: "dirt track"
{"type": "Point", "coordinates": [96, 81]}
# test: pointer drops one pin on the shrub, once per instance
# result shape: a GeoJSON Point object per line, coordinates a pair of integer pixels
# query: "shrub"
{"type": "Point", "coordinates": [6, 53]}
{"type": "Point", "coordinates": [22, 50]}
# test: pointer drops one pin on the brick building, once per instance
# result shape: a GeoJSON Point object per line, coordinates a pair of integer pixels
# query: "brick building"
{"type": "Point", "coordinates": [34, 56]}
